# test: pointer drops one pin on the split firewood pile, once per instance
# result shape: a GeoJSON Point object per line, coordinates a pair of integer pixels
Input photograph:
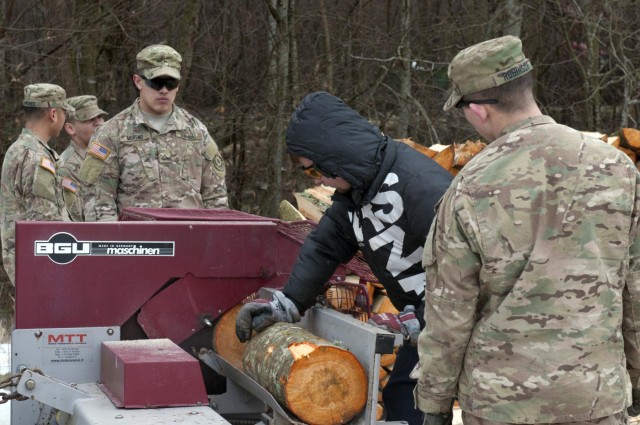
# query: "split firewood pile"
{"type": "Point", "coordinates": [627, 140]}
{"type": "Point", "coordinates": [451, 157]}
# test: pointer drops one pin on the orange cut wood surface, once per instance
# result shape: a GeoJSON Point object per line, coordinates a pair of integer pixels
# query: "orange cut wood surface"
{"type": "Point", "coordinates": [445, 157]}
{"type": "Point", "coordinates": [225, 342]}
{"type": "Point", "coordinates": [631, 138]}
{"type": "Point", "coordinates": [319, 382]}
{"type": "Point", "coordinates": [420, 148]}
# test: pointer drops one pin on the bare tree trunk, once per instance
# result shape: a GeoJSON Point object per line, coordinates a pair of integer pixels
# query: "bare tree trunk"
{"type": "Point", "coordinates": [187, 34]}
{"type": "Point", "coordinates": [278, 81]}
{"type": "Point", "coordinates": [592, 86]}
{"type": "Point", "coordinates": [327, 47]}
{"type": "Point", "coordinates": [512, 13]}
{"type": "Point", "coordinates": [404, 50]}
{"type": "Point", "coordinates": [6, 14]}
{"type": "Point", "coordinates": [85, 49]}
{"type": "Point", "coordinates": [294, 72]}
{"type": "Point", "coordinates": [584, 59]}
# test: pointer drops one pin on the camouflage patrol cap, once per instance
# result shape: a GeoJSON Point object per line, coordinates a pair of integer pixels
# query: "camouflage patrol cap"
{"type": "Point", "coordinates": [158, 60]}
{"type": "Point", "coordinates": [45, 95]}
{"type": "Point", "coordinates": [86, 108]}
{"type": "Point", "coordinates": [491, 63]}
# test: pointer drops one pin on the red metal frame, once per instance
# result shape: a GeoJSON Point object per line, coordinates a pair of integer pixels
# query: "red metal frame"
{"type": "Point", "coordinates": [150, 373]}
{"type": "Point", "coordinates": [220, 258]}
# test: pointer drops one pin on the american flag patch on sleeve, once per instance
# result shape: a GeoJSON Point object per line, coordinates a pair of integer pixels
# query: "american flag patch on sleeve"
{"type": "Point", "coordinates": [69, 185]}
{"type": "Point", "coordinates": [99, 151]}
{"type": "Point", "coordinates": [48, 165]}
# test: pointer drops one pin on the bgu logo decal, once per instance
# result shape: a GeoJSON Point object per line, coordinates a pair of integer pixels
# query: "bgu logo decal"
{"type": "Point", "coordinates": [62, 248]}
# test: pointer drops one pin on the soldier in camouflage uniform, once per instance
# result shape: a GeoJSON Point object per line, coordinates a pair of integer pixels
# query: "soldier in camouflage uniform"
{"type": "Point", "coordinates": [153, 154]}
{"type": "Point", "coordinates": [79, 126]}
{"type": "Point", "coordinates": [30, 186]}
{"type": "Point", "coordinates": [533, 264]}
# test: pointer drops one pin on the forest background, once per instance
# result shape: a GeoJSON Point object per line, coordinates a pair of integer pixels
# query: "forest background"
{"type": "Point", "coordinates": [248, 63]}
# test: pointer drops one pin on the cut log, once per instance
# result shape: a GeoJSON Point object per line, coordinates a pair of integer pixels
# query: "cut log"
{"type": "Point", "coordinates": [307, 208]}
{"type": "Point", "coordinates": [225, 341]}
{"type": "Point", "coordinates": [465, 151]}
{"type": "Point", "coordinates": [341, 297]}
{"type": "Point", "coordinates": [445, 157]}
{"type": "Point", "coordinates": [322, 193]}
{"type": "Point", "coordinates": [614, 141]}
{"type": "Point", "coordinates": [387, 360]}
{"type": "Point", "coordinates": [383, 381]}
{"type": "Point", "coordinates": [288, 212]}
{"type": "Point", "coordinates": [420, 148]}
{"type": "Point", "coordinates": [371, 289]}
{"type": "Point", "coordinates": [382, 304]}
{"type": "Point", "coordinates": [631, 138]}
{"type": "Point", "coordinates": [383, 374]}
{"type": "Point", "coordinates": [379, 412]}
{"type": "Point", "coordinates": [596, 135]}
{"type": "Point", "coordinates": [319, 382]}
{"type": "Point", "coordinates": [630, 153]}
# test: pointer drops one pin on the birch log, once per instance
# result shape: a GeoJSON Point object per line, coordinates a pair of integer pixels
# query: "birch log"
{"type": "Point", "coordinates": [320, 383]}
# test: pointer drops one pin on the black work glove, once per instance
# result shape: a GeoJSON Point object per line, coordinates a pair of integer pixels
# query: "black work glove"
{"type": "Point", "coordinates": [634, 409]}
{"type": "Point", "coordinates": [260, 314]}
{"type": "Point", "coordinates": [438, 418]}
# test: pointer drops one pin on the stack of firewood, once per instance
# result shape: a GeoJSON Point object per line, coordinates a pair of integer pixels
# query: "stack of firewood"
{"type": "Point", "coordinates": [451, 157]}
{"type": "Point", "coordinates": [627, 140]}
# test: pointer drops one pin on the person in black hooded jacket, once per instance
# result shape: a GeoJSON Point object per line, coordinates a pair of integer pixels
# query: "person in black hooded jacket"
{"type": "Point", "coordinates": [383, 205]}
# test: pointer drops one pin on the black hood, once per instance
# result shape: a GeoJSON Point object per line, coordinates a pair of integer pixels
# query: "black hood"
{"type": "Point", "coordinates": [334, 136]}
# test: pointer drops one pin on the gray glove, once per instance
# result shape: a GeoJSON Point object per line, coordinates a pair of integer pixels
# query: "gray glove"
{"type": "Point", "coordinates": [438, 418]}
{"type": "Point", "coordinates": [634, 409]}
{"type": "Point", "coordinates": [260, 314]}
{"type": "Point", "coordinates": [405, 323]}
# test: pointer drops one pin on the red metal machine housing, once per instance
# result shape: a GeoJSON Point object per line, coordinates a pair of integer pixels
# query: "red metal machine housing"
{"type": "Point", "coordinates": [173, 271]}
{"type": "Point", "coordinates": [163, 275]}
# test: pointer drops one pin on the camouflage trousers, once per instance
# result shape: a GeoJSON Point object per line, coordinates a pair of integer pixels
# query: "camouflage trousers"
{"type": "Point", "coordinates": [617, 419]}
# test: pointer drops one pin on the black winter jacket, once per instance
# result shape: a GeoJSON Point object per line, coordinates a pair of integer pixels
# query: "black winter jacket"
{"type": "Point", "coordinates": [387, 213]}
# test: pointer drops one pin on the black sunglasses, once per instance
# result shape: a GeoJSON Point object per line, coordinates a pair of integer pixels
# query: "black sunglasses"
{"type": "Point", "coordinates": [316, 172]}
{"type": "Point", "coordinates": [160, 82]}
{"type": "Point", "coordinates": [463, 103]}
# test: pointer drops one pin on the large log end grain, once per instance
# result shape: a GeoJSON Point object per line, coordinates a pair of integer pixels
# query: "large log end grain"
{"type": "Point", "coordinates": [631, 138]}
{"type": "Point", "coordinates": [319, 382]}
{"type": "Point", "coordinates": [225, 342]}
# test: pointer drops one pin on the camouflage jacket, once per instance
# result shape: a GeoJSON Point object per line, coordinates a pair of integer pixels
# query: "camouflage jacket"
{"type": "Point", "coordinates": [129, 164]}
{"type": "Point", "coordinates": [30, 191]}
{"type": "Point", "coordinates": [533, 281]}
{"type": "Point", "coordinates": [69, 167]}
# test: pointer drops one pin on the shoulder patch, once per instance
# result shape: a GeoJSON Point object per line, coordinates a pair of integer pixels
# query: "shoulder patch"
{"type": "Point", "coordinates": [69, 185]}
{"type": "Point", "coordinates": [218, 164]}
{"type": "Point", "coordinates": [210, 151]}
{"type": "Point", "coordinates": [48, 165]}
{"type": "Point", "coordinates": [99, 151]}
